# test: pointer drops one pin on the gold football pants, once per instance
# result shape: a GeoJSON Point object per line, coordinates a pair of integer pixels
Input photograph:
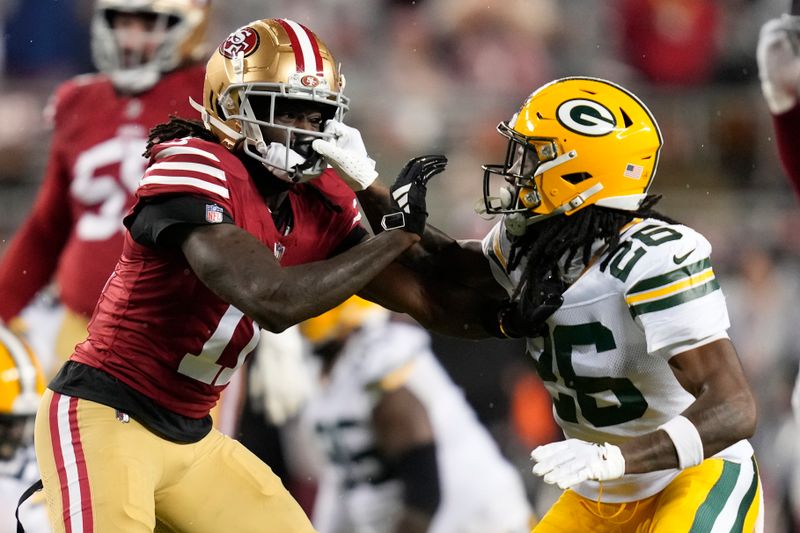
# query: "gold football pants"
{"type": "Point", "coordinates": [104, 472]}
{"type": "Point", "coordinates": [715, 496]}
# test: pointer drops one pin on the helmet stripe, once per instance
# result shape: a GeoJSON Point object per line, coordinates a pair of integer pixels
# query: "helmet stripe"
{"type": "Point", "coordinates": [315, 49]}
{"type": "Point", "coordinates": [22, 361]}
{"type": "Point", "coordinates": [304, 45]}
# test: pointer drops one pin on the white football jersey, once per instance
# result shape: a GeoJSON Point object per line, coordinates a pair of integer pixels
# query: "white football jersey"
{"type": "Point", "coordinates": [16, 475]}
{"type": "Point", "coordinates": [480, 491]}
{"type": "Point", "coordinates": [605, 356]}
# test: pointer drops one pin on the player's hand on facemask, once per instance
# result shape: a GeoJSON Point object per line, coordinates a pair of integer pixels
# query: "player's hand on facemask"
{"type": "Point", "coordinates": [567, 463]}
{"type": "Point", "coordinates": [778, 59]}
{"type": "Point", "coordinates": [346, 153]}
{"type": "Point", "coordinates": [408, 194]}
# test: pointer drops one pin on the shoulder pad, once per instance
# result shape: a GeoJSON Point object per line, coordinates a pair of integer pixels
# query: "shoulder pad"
{"type": "Point", "coordinates": [661, 264]}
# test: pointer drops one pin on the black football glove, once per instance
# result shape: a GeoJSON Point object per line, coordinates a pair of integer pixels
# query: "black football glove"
{"type": "Point", "coordinates": [408, 194]}
{"type": "Point", "coordinates": [526, 316]}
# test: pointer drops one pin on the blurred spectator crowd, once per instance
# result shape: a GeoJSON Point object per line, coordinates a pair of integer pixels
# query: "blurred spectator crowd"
{"type": "Point", "coordinates": [436, 76]}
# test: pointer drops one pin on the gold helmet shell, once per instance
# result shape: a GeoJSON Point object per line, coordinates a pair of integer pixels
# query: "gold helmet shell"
{"type": "Point", "coordinates": [575, 142]}
{"type": "Point", "coordinates": [277, 58]}
{"type": "Point", "coordinates": [21, 378]}
{"type": "Point", "coordinates": [179, 29]}
{"type": "Point", "coordinates": [340, 321]}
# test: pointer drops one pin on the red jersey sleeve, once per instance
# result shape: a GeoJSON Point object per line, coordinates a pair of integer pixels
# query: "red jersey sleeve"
{"type": "Point", "coordinates": [348, 219]}
{"type": "Point", "coordinates": [32, 256]}
{"type": "Point", "coordinates": [787, 131]}
{"type": "Point", "coordinates": [187, 166]}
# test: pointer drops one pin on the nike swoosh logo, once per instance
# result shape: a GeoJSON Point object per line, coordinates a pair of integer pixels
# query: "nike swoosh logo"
{"type": "Point", "coordinates": [680, 259]}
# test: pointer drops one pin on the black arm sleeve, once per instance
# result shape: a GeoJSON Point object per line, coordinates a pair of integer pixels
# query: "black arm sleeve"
{"type": "Point", "coordinates": [149, 220]}
{"type": "Point", "coordinates": [356, 235]}
{"type": "Point", "coordinates": [418, 469]}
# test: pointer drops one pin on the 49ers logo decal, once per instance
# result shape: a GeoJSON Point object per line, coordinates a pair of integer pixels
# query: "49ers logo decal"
{"type": "Point", "coordinates": [243, 41]}
{"type": "Point", "coordinates": [586, 117]}
{"type": "Point", "coordinates": [309, 80]}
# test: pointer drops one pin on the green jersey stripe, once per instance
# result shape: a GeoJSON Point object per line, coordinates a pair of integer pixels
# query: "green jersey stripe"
{"type": "Point", "coordinates": [670, 277]}
{"type": "Point", "coordinates": [676, 299]}
{"type": "Point", "coordinates": [710, 509]}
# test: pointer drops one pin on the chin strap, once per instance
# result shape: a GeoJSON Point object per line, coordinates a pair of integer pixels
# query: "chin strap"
{"type": "Point", "coordinates": [517, 223]}
{"type": "Point", "coordinates": [209, 121]}
{"type": "Point", "coordinates": [560, 160]}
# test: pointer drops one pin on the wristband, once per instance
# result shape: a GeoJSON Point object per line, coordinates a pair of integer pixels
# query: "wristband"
{"type": "Point", "coordinates": [393, 221]}
{"type": "Point", "coordinates": [686, 440]}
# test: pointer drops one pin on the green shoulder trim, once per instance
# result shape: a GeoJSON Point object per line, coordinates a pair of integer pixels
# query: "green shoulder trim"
{"type": "Point", "coordinates": [670, 277]}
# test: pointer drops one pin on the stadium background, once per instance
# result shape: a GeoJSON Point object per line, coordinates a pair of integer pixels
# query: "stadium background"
{"type": "Point", "coordinates": [438, 75]}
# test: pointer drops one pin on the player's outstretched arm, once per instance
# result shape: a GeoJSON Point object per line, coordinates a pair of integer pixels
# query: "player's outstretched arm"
{"type": "Point", "coordinates": [437, 252]}
{"type": "Point", "coordinates": [243, 272]}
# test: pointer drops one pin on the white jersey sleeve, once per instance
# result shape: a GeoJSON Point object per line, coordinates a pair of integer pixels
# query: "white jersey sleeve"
{"type": "Point", "coordinates": [497, 248]}
{"type": "Point", "coordinates": [670, 287]}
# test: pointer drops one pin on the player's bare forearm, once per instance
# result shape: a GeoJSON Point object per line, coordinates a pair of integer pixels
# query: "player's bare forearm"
{"type": "Point", "coordinates": [243, 272]}
{"type": "Point", "coordinates": [437, 254]}
{"type": "Point", "coordinates": [438, 304]}
{"type": "Point", "coordinates": [724, 411]}
{"type": "Point", "coordinates": [413, 521]}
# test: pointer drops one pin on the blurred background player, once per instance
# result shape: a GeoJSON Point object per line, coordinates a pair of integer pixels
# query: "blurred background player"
{"type": "Point", "coordinates": [778, 56]}
{"type": "Point", "coordinates": [21, 387]}
{"type": "Point", "coordinates": [146, 52]}
{"type": "Point", "coordinates": [405, 452]}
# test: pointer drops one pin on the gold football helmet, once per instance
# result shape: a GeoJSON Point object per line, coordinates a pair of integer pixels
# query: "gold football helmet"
{"type": "Point", "coordinates": [176, 33]}
{"type": "Point", "coordinates": [21, 388]}
{"type": "Point", "coordinates": [340, 321]}
{"type": "Point", "coordinates": [575, 142]}
{"type": "Point", "coordinates": [255, 66]}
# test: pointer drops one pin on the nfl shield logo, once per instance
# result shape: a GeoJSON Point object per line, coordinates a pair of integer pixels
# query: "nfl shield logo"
{"type": "Point", "coordinates": [213, 214]}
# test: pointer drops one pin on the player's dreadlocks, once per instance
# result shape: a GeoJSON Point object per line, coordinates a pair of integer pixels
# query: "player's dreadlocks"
{"type": "Point", "coordinates": [177, 128]}
{"type": "Point", "coordinates": [552, 244]}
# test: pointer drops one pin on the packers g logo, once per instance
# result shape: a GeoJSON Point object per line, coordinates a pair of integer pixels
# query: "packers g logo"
{"type": "Point", "coordinates": [586, 117]}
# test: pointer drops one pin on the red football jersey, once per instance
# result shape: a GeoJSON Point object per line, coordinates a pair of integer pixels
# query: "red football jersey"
{"type": "Point", "coordinates": [95, 162]}
{"type": "Point", "coordinates": [157, 328]}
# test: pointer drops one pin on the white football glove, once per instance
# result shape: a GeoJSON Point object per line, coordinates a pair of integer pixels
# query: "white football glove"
{"type": "Point", "coordinates": [279, 157]}
{"type": "Point", "coordinates": [279, 376]}
{"type": "Point", "coordinates": [569, 462]}
{"type": "Point", "coordinates": [778, 62]}
{"type": "Point", "coordinates": [347, 155]}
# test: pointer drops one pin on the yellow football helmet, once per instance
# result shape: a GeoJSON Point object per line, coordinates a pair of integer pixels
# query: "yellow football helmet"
{"type": "Point", "coordinates": [258, 64]}
{"type": "Point", "coordinates": [340, 321]}
{"type": "Point", "coordinates": [21, 387]}
{"type": "Point", "coordinates": [178, 29]}
{"type": "Point", "coordinates": [575, 142]}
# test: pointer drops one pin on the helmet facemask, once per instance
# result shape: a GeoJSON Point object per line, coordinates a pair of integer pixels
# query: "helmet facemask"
{"type": "Point", "coordinates": [510, 188]}
{"type": "Point", "coordinates": [258, 114]}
